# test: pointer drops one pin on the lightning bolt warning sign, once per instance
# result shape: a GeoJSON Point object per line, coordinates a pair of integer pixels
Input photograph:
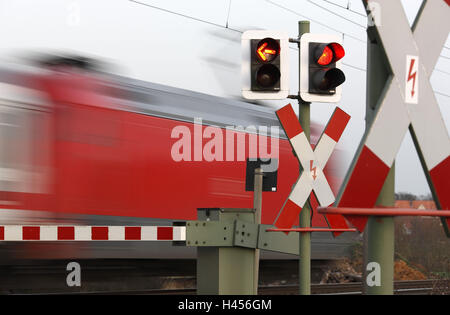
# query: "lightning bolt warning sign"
{"type": "Point", "coordinates": [312, 169]}
{"type": "Point", "coordinates": [412, 80]}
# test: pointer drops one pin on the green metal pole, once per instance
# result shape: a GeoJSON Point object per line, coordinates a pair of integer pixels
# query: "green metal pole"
{"type": "Point", "coordinates": [304, 116]}
{"type": "Point", "coordinates": [379, 238]}
{"type": "Point", "coordinates": [380, 258]}
{"type": "Point", "coordinates": [257, 205]}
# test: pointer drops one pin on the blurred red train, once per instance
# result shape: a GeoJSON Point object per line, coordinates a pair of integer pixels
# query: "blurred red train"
{"type": "Point", "coordinates": [84, 147]}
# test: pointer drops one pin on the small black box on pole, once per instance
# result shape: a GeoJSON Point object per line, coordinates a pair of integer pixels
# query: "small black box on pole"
{"type": "Point", "coordinates": [270, 171]}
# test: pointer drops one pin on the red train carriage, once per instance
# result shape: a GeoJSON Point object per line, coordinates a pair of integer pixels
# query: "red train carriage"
{"type": "Point", "coordinates": [83, 146]}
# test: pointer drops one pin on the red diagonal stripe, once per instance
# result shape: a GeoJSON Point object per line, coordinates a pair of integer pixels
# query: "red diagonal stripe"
{"type": "Point", "coordinates": [132, 232]}
{"type": "Point", "coordinates": [440, 176]}
{"type": "Point", "coordinates": [66, 233]}
{"type": "Point", "coordinates": [289, 121]}
{"type": "Point", "coordinates": [2, 233]}
{"type": "Point", "coordinates": [364, 185]}
{"type": "Point", "coordinates": [288, 216]}
{"type": "Point", "coordinates": [164, 233]}
{"type": "Point", "coordinates": [337, 124]}
{"type": "Point", "coordinates": [335, 221]}
{"type": "Point", "coordinates": [31, 233]}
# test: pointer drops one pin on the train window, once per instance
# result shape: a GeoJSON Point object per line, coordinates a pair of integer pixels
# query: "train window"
{"type": "Point", "coordinates": [24, 149]}
{"type": "Point", "coordinates": [15, 149]}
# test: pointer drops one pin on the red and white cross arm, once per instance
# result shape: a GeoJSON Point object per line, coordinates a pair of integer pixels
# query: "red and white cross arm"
{"type": "Point", "coordinates": [91, 233]}
{"type": "Point", "coordinates": [409, 102]}
{"type": "Point", "coordinates": [312, 178]}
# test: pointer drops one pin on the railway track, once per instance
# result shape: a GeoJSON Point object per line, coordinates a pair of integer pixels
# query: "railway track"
{"type": "Point", "coordinates": [413, 287]}
{"type": "Point", "coordinates": [146, 277]}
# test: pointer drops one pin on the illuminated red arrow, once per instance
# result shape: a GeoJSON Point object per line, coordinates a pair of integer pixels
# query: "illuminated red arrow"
{"type": "Point", "coordinates": [262, 51]}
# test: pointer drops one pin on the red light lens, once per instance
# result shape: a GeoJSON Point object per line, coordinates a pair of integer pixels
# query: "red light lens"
{"type": "Point", "coordinates": [338, 50]}
{"type": "Point", "coordinates": [326, 57]}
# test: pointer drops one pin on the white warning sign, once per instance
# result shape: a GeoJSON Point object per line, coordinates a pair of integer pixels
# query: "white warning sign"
{"type": "Point", "coordinates": [412, 80]}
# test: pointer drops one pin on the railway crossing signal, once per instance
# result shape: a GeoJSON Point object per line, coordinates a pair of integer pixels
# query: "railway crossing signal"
{"type": "Point", "coordinates": [320, 73]}
{"type": "Point", "coordinates": [409, 103]}
{"type": "Point", "coordinates": [313, 163]}
{"type": "Point", "coordinates": [324, 77]}
{"type": "Point", "coordinates": [265, 65]}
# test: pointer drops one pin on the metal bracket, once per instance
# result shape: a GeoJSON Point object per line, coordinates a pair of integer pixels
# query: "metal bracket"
{"type": "Point", "coordinates": [277, 242]}
{"type": "Point", "coordinates": [209, 233]}
{"type": "Point", "coordinates": [295, 97]}
{"type": "Point", "coordinates": [240, 233]}
{"type": "Point", "coordinates": [229, 227]}
{"type": "Point", "coordinates": [245, 234]}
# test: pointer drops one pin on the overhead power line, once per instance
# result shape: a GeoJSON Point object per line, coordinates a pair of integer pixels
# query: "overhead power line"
{"type": "Point", "coordinates": [354, 67]}
{"type": "Point", "coordinates": [294, 12]}
{"type": "Point", "coordinates": [442, 71]}
{"type": "Point", "coordinates": [315, 21]}
{"type": "Point", "coordinates": [338, 15]}
{"type": "Point", "coordinates": [228, 15]}
{"type": "Point", "coordinates": [345, 8]}
{"type": "Point", "coordinates": [186, 16]}
{"type": "Point", "coordinates": [442, 94]}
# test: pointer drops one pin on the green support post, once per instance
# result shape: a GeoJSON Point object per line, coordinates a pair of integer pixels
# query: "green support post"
{"type": "Point", "coordinates": [379, 235]}
{"type": "Point", "coordinates": [305, 215]}
{"type": "Point", "coordinates": [257, 205]}
{"type": "Point", "coordinates": [225, 269]}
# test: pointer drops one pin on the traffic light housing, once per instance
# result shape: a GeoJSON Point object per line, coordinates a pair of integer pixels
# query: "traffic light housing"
{"type": "Point", "coordinates": [320, 74]}
{"type": "Point", "coordinates": [265, 65]}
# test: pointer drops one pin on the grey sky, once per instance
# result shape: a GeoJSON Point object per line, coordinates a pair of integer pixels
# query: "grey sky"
{"type": "Point", "coordinates": [187, 44]}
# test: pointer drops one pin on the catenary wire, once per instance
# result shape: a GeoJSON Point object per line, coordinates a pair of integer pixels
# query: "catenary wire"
{"type": "Point", "coordinates": [338, 15]}
{"type": "Point", "coordinates": [185, 16]}
{"type": "Point", "coordinates": [315, 21]}
{"type": "Point", "coordinates": [235, 30]}
{"type": "Point", "coordinates": [348, 9]}
{"type": "Point", "coordinates": [228, 15]}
